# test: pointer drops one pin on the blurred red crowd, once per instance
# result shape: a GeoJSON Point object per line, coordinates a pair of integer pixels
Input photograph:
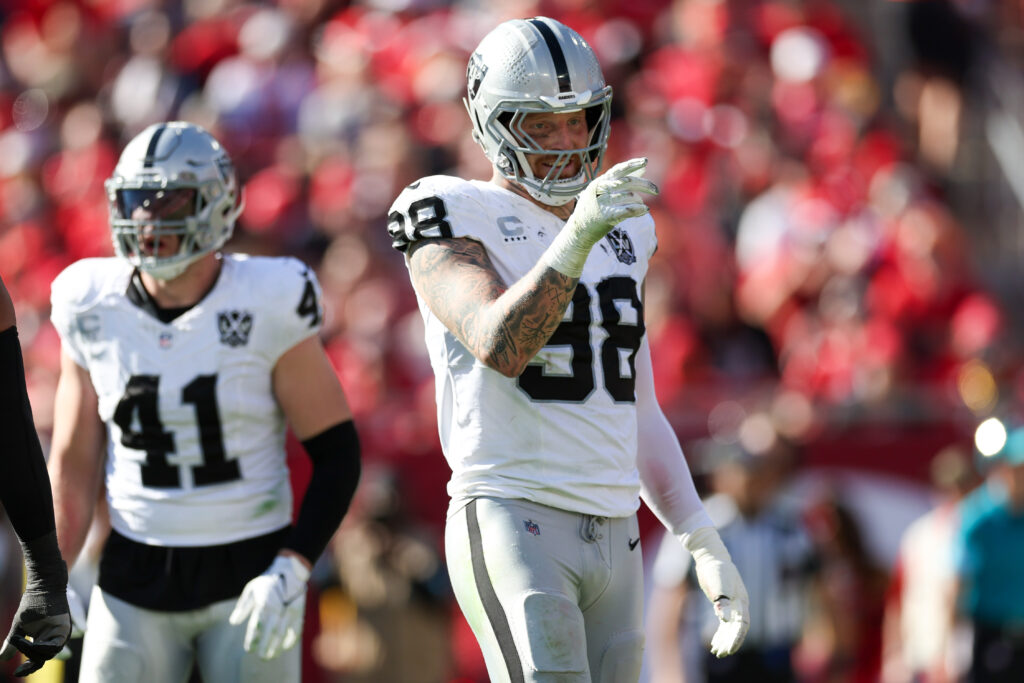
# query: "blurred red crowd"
{"type": "Point", "coordinates": [807, 256]}
{"type": "Point", "coordinates": [810, 272]}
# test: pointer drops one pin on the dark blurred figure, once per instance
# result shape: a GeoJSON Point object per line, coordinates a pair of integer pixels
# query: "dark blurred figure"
{"type": "Point", "coordinates": [42, 622]}
{"type": "Point", "coordinates": [945, 45]}
{"type": "Point", "coordinates": [988, 557]}
{"type": "Point", "coordinates": [920, 642]}
{"type": "Point", "coordinates": [767, 539]}
{"type": "Point", "coordinates": [387, 619]}
{"type": "Point", "coordinates": [843, 640]}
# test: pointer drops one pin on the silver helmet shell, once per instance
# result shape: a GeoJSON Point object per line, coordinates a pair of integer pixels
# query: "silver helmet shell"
{"type": "Point", "coordinates": [537, 65]}
{"type": "Point", "coordinates": [180, 166]}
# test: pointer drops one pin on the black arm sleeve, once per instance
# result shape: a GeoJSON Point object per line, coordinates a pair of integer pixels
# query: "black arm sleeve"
{"type": "Point", "coordinates": [336, 467]}
{"type": "Point", "coordinates": [24, 483]}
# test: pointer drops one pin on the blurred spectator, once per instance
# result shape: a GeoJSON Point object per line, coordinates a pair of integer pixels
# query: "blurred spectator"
{"type": "Point", "coordinates": [946, 46]}
{"type": "Point", "coordinates": [771, 548]}
{"type": "Point", "coordinates": [387, 618]}
{"type": "Point", "coordinates": [920, 644]}
{"type": "Point", "coordinates": [988, 556]}
{"type": "Point", "coordinates": [148, 87]}
{"type": "Point", "coordinates": [843, 636]}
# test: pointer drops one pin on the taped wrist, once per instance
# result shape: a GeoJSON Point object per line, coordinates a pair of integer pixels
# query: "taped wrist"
{"type": "Point", "coordinates": [705, 543]}
{"type": "Point", "coordinates": [25, 485]}
{"type": "Point", "coordinates": [568, 252]}
{"type": "Point", "coordinates": [708, 550]}
{"type": "Point", "coordinates": [46, 574]}
{"type": "Point", "coordinates": [336, 467]}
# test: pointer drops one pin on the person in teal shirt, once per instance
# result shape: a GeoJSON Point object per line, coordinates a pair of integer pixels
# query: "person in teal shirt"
{"type": "Point", "coordinates": [989, 562]}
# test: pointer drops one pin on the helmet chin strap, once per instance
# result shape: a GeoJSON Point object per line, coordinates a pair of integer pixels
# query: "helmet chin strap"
{"type": "Point", "coordinates": [505, 166]}
{"type": "Point", "coordinates": [551, 200]}
{"type": "Point", "coordinates": [169, 271]}
{"type": "Point", "coordinates": [165, 271]}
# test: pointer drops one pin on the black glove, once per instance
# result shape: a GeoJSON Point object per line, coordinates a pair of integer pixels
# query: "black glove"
{"type": "Point", "coordinates": [43, 615]}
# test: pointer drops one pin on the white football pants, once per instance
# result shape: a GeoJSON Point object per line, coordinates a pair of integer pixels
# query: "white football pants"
{"type": "Point", "coordinates": [128, 644]}
{"type": "Point", "coordinates": [552, 596]}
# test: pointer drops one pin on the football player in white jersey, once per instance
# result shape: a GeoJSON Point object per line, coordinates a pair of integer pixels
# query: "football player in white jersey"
{"type": "Point", "coordinates": [42, 622]}
{"type": "Point", "coordinates": [530, 287]}
{"type": "Point", "coordinates": [194, 361]}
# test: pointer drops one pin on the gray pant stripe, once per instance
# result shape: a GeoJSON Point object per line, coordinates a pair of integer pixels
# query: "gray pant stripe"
{"type": "Point", "coordinates": [492, 608]}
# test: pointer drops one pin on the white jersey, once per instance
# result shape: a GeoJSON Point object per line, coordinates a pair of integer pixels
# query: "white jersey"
{"type": "Point", "coordinates": [195, 455]}
{"type": "Point", "coordinates": [563, 433]}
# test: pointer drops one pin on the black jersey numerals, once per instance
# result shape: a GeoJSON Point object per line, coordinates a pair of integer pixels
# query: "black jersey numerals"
{"type": "Point", "coordinates": [309, 304]}
{"type": "Point", "coordinates": [424, 214]}
{"type": "Point", "coordinates": [138, 416]}
{"type": "Point", "coordinates": [615, 295]}
{"type": "Point", "coordinates": [574, 333]}
{"type": "Point", "coordinates": [216, 468]}
{"type": "Point", "coordinates": [140, 400]}
{"type": "Point", "coordinates": [622, 336]}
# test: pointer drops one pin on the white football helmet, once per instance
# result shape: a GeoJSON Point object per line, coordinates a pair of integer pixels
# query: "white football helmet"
{"type": "Point", "coordinates": [537, 65]}
{"type": "Point", "coordinates": [173, 180]}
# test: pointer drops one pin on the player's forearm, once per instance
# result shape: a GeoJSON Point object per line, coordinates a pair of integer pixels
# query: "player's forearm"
{"type": "Point", "coordinates": [504, 327]}
{"type": "Point", "coordinates": [76, 457]}
{"type": "Point", "coordinates": [336, 468]}
{"type": "Point", "coordinates": [74, 498]}
{"type": "Point", "coordinates": [665, 481]}
{"type": "Point", "coordinates": [24, 487]}
{"type": "Point", "coordinates": [666, 485]}
{"type": "Point", "coordinates": [516, 326]}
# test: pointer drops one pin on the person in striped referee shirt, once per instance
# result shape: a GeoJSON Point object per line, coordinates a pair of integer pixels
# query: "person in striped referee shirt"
{"type": "Point", "coordinates": [775, 555]}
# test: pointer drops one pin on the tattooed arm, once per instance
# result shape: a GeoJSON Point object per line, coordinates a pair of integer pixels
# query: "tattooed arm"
{"type": "Point", "coordinates": [502, 326]}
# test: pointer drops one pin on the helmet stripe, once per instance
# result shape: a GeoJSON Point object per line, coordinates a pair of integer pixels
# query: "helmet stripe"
{"type": "Point", "coordinates": [151, 149]}
{"type": "Point", "coordinates": [557, 56]}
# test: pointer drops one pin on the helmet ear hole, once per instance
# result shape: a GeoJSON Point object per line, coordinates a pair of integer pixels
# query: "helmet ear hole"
{"type": "Point", "coordinates": [505, 163]}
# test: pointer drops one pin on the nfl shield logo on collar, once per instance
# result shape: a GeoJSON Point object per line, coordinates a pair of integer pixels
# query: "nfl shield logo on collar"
{"type": "Point", "coordinates": [532, 526]}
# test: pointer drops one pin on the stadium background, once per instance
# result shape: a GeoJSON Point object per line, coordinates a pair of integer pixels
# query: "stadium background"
{"type": "Point", "coordinates": [839, 225]}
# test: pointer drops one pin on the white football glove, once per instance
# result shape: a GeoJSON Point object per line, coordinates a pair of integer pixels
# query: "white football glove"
{"type": "Point", "coordinates": [721, 583]}
{"type": "Point", "coordinates": [274, 603]}
{"type": "Point", "coordinates": [607, 201]}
